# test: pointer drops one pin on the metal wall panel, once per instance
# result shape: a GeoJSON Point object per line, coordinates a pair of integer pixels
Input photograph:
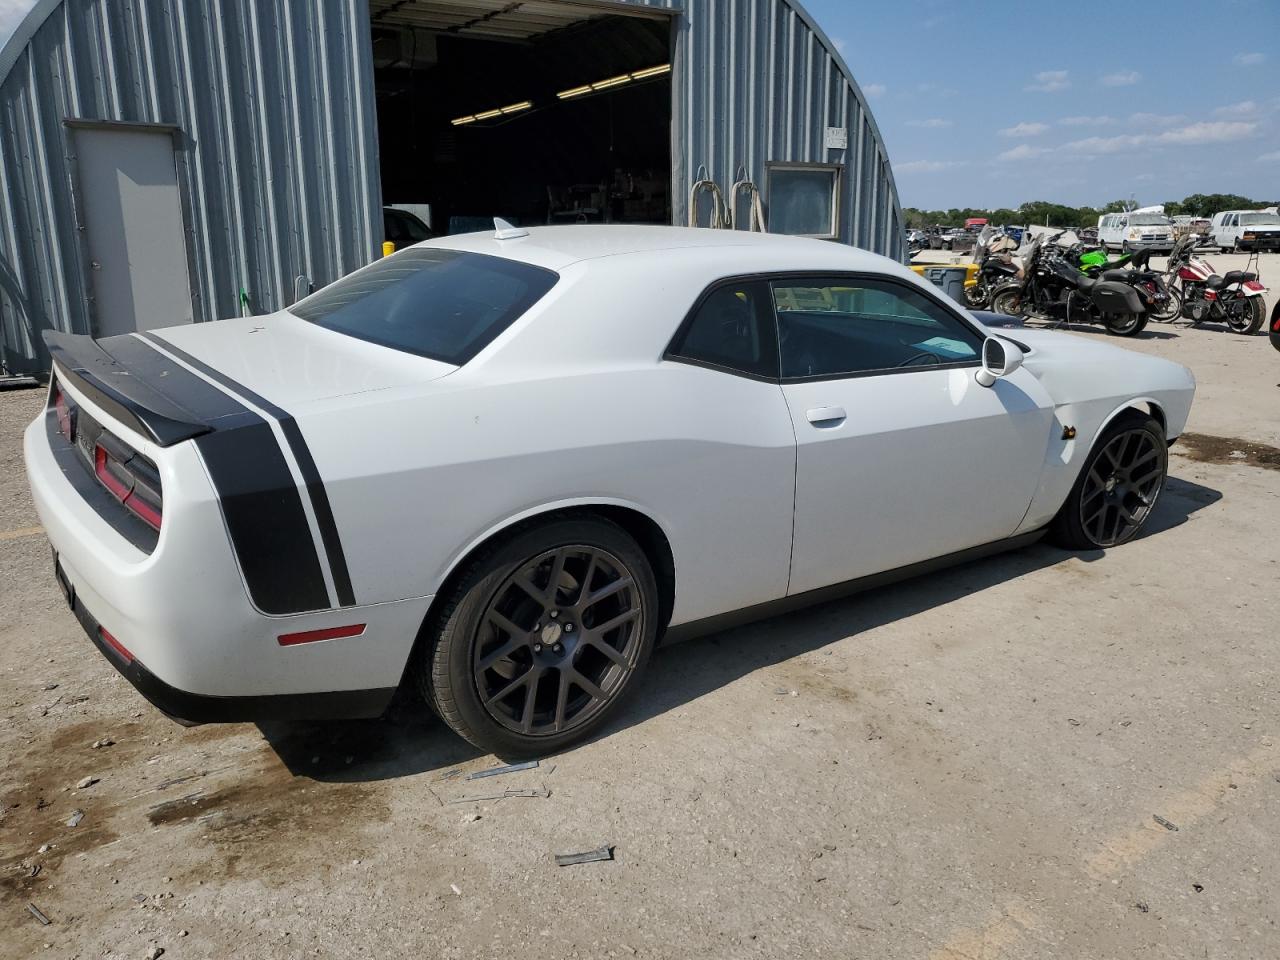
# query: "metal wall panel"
{"type": "Point", "coordinates": [272, 101]}
{"type": "Point", "coordinates": [276, 140]}
{"type": "Point", "coordinates": [757, 81]}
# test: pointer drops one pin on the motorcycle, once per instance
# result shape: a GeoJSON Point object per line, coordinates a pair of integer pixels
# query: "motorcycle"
{"type": "Point", "coordinates": [1234, 298]}
{"type": "Point", "coordinates": [1163, 302]}
{"type": "Point", "coordinates": [1054, 288]}
{"type": "Point", "coordinates": [993, 253]}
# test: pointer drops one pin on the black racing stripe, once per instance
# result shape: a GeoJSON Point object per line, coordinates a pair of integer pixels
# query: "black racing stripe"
{"type": "Point", "coordinates": [320, 505]}
{"type": "Point", "coordinates": [323, 511]}
{"type": "Point", "coordinates": [259, 499]}
{"type": "Point", "coordinates": [264, 515]}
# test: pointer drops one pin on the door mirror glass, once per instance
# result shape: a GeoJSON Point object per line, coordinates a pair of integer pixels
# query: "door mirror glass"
{"type": "Point", "coordinates": [999, 359]}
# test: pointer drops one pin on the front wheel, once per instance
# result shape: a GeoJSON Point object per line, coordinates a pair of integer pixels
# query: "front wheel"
{"type": "Point", "coordinates": [542, 638]}
{"type": "Point", "coordinates": [1248, 321]}
{"type": "Point", "coordinates": [1118, 486]}
{"type": "Point", "coordinates": [975, 297]}
{"type": "Point", "coordinates": [1172, 310]}
{"type": "Point", "coordinates": [1007, 302]}
{"type": "Point", "coordinates": [1125, 324]}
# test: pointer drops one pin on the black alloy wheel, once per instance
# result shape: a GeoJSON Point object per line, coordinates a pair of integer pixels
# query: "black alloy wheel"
{"type": "Point", "coordinates": [542, 636]}
{"type": "Point", "coordinates": [1118, 486]}
{"type": "Point", "coordinates": [560, 636]}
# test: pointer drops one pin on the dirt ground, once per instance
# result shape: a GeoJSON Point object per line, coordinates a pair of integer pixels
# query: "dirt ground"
{"type": "Point", "coordinates": [1037, 755]}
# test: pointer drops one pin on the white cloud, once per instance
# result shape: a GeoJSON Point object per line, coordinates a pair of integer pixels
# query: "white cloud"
{"type": "Point", "coordinates": [1269, 157]}
{"type": "Point", "coordinates": [933, 123]}
{"type": "Point", "coordinates": [1156, 119]}
{"type": "Point", "coordinates": [1049, 81]}
{"type": "Point", "coordinates": [1093, 145]}
{"type": "Point", "coordinates": [1244, 108]}
{"type": "Point", "coordinates": [1250, 59]}
{"type": "Point", "coordinates": [1101, 121]}
{"type": "Point", "coordinates": [1024, 129]}
{"type": "Point", "coordinates": [875, 89]}
{"type": "Point", "coordinates": [1023, 151]}
{"type": "Point", "coordinates": [1216, 131]}
{"type": "Point", "coordinates": [1125, 78]}
{"type": "Point", "coordinates": [926, 166]}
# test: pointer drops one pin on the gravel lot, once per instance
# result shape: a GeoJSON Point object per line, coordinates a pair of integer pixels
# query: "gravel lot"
{"type": "Point", "coordinates": [964, 767]}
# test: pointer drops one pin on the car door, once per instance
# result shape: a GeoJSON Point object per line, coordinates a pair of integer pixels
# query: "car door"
{"type": "Point", "coordinates": [901, 454]}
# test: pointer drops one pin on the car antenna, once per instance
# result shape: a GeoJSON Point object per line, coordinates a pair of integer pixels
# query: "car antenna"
{"type": "Point", "coordinates": [505, 231]}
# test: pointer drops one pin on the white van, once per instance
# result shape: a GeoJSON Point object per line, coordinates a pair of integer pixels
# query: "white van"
{"type": "Point", "coordinates": [1135, 231]}
{"type": "Point", "coordinates": [1246, 230]}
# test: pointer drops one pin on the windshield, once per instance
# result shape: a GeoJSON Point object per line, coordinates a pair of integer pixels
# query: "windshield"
{"type": "Point", "coordinates": [1259, 219]}
{"type": "Point", "coordinates": [1148, 220]}
{"type": "Point", "coordinates": [441, 304]}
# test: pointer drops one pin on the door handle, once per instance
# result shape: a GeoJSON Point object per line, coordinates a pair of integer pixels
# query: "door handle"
{"type": "Point", "coordinates": [826, 416]}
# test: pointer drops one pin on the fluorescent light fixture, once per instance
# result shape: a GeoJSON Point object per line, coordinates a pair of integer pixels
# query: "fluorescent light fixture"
{"type": "Point", "coordinates": [612, 82]}
{"type": "Point", "coordinates": [617, 81]}
{"type": "Point", "coordinates": [490, 114]}
{"type": "Point", "coordinates": [651, 72]}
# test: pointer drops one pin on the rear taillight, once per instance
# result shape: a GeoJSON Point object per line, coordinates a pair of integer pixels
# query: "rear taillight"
{"type": "Point", "coordinates": [130, 480]}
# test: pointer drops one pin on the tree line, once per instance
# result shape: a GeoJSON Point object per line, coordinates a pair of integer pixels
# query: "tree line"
{"type": "Point", "coordinates": [1060, 215]}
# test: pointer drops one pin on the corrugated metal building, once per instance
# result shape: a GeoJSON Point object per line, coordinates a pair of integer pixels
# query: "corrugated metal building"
{"type": "Point", "coordinates": [166, 161]}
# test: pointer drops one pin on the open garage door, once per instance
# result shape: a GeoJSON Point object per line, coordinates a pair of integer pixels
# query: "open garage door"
{"type": "Point", "coordinates": [537, 112]}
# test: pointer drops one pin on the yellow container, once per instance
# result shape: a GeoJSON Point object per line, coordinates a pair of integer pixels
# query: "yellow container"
{"type": "Point", "coordinates": [970, 275]}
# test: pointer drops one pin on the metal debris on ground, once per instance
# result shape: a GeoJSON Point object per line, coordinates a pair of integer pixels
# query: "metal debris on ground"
{"type": "Point", "coordinates": [35, 870]}
{"type": "Point", "coordinates": [35, 912]}
{"type": "Point", "coordinates": [454, 888]}
{"type": "Point", "coordinates": [1168, 825]}
{"type": "Point", "coordinates": [591, 856]}
{"type": "Point", "coordinates": [75, 818]}
{"type": "Point", "coordinates": [499, 771]}
{"type": "Point", "coordinates": [504, 795]}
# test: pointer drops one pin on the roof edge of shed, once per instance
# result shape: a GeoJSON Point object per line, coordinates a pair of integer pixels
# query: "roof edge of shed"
{"type": "Point", "coordinates": [16, 45]}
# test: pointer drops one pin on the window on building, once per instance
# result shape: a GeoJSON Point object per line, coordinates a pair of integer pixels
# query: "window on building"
{"type": "Point", "coordinates": [804, 200]}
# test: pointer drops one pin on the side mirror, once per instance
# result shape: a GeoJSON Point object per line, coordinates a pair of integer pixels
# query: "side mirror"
{"type": "Point", "coordinates": [999, 359]}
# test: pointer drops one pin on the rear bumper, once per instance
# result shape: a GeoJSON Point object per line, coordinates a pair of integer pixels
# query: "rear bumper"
{"type": "Point", "coordinates": [200, 650]}
{"type": "Point", "coordinates": [1261, 243]}
{"type": "Point", "coordinates": [194, 708]}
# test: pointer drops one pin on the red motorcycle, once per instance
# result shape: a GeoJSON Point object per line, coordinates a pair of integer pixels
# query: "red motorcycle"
{"type": "Point", "coordinates": [1234, 298]}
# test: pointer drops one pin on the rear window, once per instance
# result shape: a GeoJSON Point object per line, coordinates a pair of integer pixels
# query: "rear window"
{"type": "Point", "coordinates": [443, 304]}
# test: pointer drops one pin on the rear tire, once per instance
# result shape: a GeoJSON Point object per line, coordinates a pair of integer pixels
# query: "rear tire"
{"type": "Point", "coordinates": [522, 619]}
{"type": "Point", "coordinates": [1007, 302]}
{"type": "Point", "coordinates": [1125, 324]}
{"type": "Point", "coordinates": [1118, 486]}
{"type": "Point", "coordinates": [1250, 322]}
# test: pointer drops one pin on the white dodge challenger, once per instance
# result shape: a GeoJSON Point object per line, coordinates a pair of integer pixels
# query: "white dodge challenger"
{"type": "Point", "coordinates": [498, 468]}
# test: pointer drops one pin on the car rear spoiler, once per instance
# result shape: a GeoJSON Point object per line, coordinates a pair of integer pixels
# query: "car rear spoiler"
{"type": "Point", "coordinates": [126, 393]}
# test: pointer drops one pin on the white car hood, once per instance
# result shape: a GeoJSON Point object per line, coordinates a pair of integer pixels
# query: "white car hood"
{"type": "Point", "coordinates": [291, 362]}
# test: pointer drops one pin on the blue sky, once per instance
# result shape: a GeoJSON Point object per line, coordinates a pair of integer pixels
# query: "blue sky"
{"type": "Point", "coordinates": [990, 104]}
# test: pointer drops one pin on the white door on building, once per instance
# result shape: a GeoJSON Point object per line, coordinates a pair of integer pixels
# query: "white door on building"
{"type": "Point", "coordinates": [134, 231]}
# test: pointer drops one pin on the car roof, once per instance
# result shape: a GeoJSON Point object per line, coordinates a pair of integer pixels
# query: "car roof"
{"type": "Point", "coordinates": [557, 247]}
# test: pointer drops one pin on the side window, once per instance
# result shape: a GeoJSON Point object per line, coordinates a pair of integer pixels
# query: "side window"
{"type": "Point", "coordinates": [847, 327]}
{"type": "Point", "coordinates": [732, 328]}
